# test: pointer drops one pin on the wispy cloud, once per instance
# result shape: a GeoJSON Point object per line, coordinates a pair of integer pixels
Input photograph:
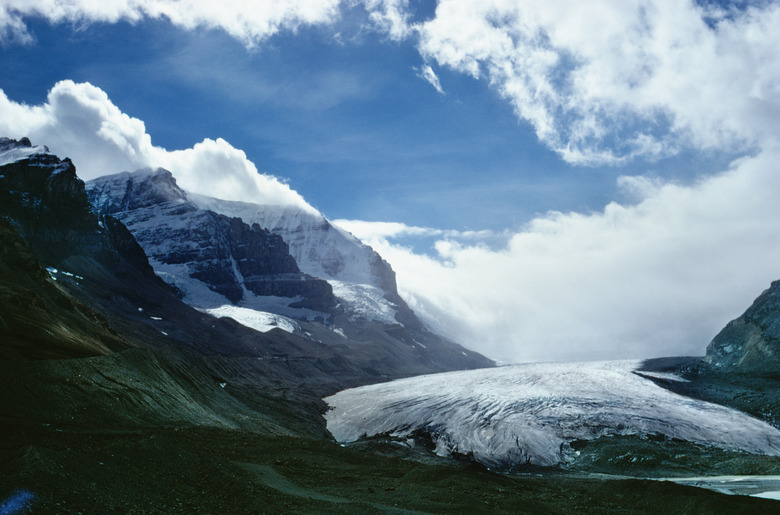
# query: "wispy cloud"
{"type": "Point", "coordinates": [426, 73]}
{"type": "Point", "coordinates": [80, 121]}
{"type": "Point", "coordinates": [607, 81]}
{"type": "Point", "coordinates": [375, 231]}
{"type": "Point", "coordinates": [250, 22]}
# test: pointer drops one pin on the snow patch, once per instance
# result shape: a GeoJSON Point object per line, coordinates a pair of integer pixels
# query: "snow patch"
{"type": "Point", "coordinates": [320, 248]}
{"type": "Point", "coordinates": [257, 320]}
{"type": "Point", "coordinates": [364, 300]}
{"type": "Point", "coordinates": [19, 153]}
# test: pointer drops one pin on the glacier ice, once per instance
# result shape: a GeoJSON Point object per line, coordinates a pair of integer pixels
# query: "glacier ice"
{"type": "Point", "coordinates": [528, 414]}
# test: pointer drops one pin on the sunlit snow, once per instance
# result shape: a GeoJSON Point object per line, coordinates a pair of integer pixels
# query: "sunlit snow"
{"type": "Point", "coordinates": [21, 152]}
{"type": "Point", "coordinates": [320, 249]}
{"type": "Point", "coordinates": [528, 414]}
{"type": "Point", "coordinates": [365, 301]}
{"type": "Point", "coordinates": [257, 320]}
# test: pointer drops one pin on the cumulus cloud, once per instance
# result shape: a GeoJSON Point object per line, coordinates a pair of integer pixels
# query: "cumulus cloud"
{"type": "Point", "coordinates": [81, 122]}
{"type": "Point", "coordinates": [654, 278]}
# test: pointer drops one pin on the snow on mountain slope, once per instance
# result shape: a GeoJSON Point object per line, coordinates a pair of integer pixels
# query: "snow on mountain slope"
{"type": "Point", "coordinates": [528, 414]}
{"type": "Point", "coordinates": [12, 150]}
{"type": "Point", "coordinates": [361, 279]}
{"type": "Point", "coordinates": [214, 260]}
{"type": "Point", "coordinates": [184, 236]}
{"type": "Point", "coordinates": [257, 320]}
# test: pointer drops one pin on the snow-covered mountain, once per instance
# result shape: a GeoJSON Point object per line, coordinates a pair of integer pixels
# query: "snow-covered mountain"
{"type": "Point", "coordinates": [231, 266]}
{"type": "Point", "coordinates": [361, 279]}
{"type": "Point", "coordinates": [529, 414]}
{"type": "Point", "coordinates": [213, 259]}
{"type": "Point", "coordinates": [200, 245]}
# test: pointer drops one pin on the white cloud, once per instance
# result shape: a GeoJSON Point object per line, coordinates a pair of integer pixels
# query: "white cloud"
{"type": "Point", "coordinates": [656, 278]}
{"type": "Point", "coordinates": [374, 231]}
{"type": "Point", "coordinates": [601, 82]}
{"type": "Point", "coordinates": [81, 122]}
{"type": "Point", "coordinates": [609, 80]}
{"type": "Point", "coordinates": [427, 74]}
{"type": "Point", "coordinates": [389, 16]}
{"type": "Point", "coordinates": [250, 22]}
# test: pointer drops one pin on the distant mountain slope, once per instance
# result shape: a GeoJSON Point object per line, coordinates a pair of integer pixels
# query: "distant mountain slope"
{"type": "Point", "coordinates": [200, 252]}
{"type": "Point", "coordinates": [364, 282]}
{"type": "Point", "coordinates": [184, 242]}
{"type": "Point", "coordinates": [101, 298]}
{"type": "Point", "coordinates": [751, 342]}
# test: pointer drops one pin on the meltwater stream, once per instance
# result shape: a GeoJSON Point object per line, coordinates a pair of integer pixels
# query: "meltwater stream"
{"type": "Point", "coordinates": [528, 414]}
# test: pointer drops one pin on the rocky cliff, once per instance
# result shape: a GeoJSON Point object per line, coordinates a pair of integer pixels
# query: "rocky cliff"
{"type": "Point", "coordinates": [752, 341]}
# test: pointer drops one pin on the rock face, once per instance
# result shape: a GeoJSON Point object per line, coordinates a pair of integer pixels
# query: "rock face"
{"type": "Point", "coordinates": [229, 256]}
{"type": "Point", "coordinates": [50, 209]}
{"type": "Point", "coordinates": [752, 341]}
{"type": "Point", "coordinates": [363, 281]}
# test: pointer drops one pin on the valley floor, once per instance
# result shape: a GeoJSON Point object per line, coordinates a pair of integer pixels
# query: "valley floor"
{"type": "Point", "coordinates": [209, 470]}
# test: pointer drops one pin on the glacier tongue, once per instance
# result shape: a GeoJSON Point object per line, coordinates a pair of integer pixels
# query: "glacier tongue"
{"type": "Point", "coordinates": [528, 414]}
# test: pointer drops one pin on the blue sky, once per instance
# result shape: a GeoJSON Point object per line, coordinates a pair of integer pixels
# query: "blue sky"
{"type": "Point", "coordinates": [347, 121]}
{"type": "Point", "coordinates": [550, 180]}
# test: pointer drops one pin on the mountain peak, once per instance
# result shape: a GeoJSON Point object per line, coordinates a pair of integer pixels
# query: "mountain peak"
{"type": "Point", "coordinates": [142, 188]}
{"type": "Point", "coordinates": [12, 150]}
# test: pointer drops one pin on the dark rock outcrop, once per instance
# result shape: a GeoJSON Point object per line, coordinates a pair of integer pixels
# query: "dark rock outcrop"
{"type": "Point", "coordinates": [47, 203]}
{"type": "Point", "coordinates": [752, 341]}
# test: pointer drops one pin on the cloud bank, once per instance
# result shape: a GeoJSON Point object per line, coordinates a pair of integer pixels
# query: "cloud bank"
{"type": "Point", "coordinates": [655, 278]}
{"type": "Point", "coordinates": [81, 122]}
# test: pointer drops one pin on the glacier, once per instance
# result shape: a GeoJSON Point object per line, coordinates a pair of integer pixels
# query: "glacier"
{"type": "Point", "coordinates": [530, 414]}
